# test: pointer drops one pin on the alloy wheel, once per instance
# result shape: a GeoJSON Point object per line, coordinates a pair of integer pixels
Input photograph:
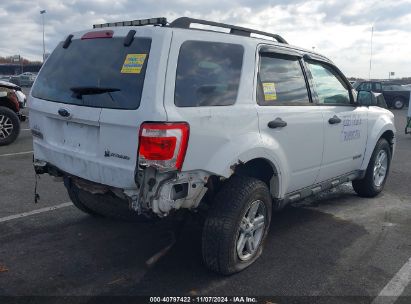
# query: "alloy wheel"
{"type": "Point", "coordinates": [380, 168]}
{"type": "Point", "coordinates": [251, 231]}
{"type": "Point", "coordinates": [6, 127]}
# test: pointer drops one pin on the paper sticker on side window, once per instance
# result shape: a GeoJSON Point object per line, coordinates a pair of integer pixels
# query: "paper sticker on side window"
{"type": "Point", "coordinates": [269, 91]}
{"type": "Point", "coordinates": [133, 63]}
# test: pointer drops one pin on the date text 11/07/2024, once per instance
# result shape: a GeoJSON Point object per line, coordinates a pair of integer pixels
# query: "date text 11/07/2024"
{"type": "Point", "coordinates": [203, 299]}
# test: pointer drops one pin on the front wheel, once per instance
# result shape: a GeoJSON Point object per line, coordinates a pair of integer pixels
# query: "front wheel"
{"type": "Point", "coordinates": [237, 225]}
{"type": "Point", "coordinates": [377, 171]}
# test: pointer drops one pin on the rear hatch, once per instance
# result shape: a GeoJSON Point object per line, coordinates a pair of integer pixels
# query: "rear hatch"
{"type": "Point", "coordinates": [90, 98]}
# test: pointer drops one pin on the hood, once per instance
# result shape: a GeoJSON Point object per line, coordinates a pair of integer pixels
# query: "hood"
{"type": "Point", "coordinates": [9, 85]}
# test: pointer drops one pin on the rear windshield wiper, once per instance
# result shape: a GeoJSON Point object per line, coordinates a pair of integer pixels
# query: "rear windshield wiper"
{"type": "Point", "coordinates": [80, 91]}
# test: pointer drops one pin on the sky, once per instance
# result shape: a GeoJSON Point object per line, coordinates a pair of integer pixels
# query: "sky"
{"type": "Point", "coordinates": [340, 30]}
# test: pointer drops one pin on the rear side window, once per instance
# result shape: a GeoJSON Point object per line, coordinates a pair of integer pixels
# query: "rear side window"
{"type": "Point", "coordinates": [281, 81]}
{"type": "Point", "coordinates": [328, 85]}
{"type": "Point", "coordinates": [365, 86]}
{"type": "Point", "coordinates": [377, 86]}
{"type": "Point", "coordinates": [95, 73]}
{"type": "Point", "coordinates": [208, 74]}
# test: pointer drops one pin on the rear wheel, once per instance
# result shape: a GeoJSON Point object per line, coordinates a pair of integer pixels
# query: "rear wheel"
{"type": "Point", "coordinates": [377, 171]}
{"type": "Point", "coordinates": [398, 103]}
{"type": "Point", "coordinates": [9, 126]}
{"type": "Point", "coordinates": [237, 225]}
{"type": "Point", "coordinates": [103, 205]}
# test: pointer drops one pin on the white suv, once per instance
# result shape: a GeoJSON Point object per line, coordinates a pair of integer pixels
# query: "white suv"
{"type": "Point", "coordinates": [146, 120]}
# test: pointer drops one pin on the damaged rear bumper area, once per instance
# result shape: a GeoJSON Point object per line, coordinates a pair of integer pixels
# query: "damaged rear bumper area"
{"type": "Point", "coordinates": [158, 193]}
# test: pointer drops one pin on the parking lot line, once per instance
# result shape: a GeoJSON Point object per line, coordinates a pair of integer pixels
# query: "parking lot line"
{"type": "Point", "coordinates": [37, 211]}
{"type": "Point", "coordinates": [25, 129]}
{"type": "Point", "coordinates": [396, 286]}
{"type": "Point", "coordinates": [17, 153]}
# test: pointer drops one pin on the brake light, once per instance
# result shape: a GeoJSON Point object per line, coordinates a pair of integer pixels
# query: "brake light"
{"type": "Point", "coordinates": [97, 34]}
{"type": "Point", "coordinates": [163, 145]}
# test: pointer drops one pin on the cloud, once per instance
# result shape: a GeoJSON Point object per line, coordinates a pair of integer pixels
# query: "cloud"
{"type": "Point", "coordinates": [340, 30]}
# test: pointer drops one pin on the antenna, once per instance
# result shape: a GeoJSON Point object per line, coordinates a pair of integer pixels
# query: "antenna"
{"type": "Point", "coordinates": [372, 34]}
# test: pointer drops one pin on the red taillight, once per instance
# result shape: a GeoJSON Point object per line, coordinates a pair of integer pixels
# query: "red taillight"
{"type": "Point", "coordinates": [163, 145]}
{"type": "Point", "coordinates": [157, 148]}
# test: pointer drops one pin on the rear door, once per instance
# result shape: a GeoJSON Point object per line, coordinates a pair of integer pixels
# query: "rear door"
{"type": "Point", "coordinates": [90, 99]}
{"type": "Point", "coordinates": [289, 118]}
{"type": "Point", "coordinates": [345, 125]}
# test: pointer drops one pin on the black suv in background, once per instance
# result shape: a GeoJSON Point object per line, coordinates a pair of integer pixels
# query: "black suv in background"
{"type": "Point", "coordinates": [394, 94]}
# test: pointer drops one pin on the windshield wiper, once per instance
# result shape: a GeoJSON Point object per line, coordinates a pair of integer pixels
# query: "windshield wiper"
{"type": "Point", "coordinates": [80, 91]}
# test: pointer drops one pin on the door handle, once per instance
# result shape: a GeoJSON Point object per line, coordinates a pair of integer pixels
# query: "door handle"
{"type": "Point", "coordinates": [277, 123]}
{"type": "Point", "coordinates": [334, 120]}
{"type": "Point", "coordinates": [63, 112]}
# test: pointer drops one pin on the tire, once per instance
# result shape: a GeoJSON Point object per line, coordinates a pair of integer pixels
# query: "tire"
{"type": "Point", "coordinates": [225, 225]}
{"type": "Point", "coordinates": [371, 185]}
{"type": "Point", "coordinates": [102, 205]}
{"type": "Point", "coordinates": [398, 103]}
{"type": "Point", "coordinates": [9, 126]}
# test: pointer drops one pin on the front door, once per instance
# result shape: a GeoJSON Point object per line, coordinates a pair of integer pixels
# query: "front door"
{"type": "Point", "coordinates": [345, 125]}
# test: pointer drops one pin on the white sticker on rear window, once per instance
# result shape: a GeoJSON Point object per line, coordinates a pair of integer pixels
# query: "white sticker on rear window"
{"type": "Point", "coordinates": [133, 63]}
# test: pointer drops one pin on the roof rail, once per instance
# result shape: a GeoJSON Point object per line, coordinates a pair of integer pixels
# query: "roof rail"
{"type": "Point", "coordinates": [185, 22]}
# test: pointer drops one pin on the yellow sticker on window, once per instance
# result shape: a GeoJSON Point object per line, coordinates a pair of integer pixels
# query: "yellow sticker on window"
{"type": "Point", "coordinates": [269, 91]}
{"type": "Point", "coordinates": [133, 63]}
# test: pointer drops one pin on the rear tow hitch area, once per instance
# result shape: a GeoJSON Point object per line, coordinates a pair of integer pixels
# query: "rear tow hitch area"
{"type": "Point", "coordinates": [164, 192]}
{"type": "Point", "coordinates": [157, 192]}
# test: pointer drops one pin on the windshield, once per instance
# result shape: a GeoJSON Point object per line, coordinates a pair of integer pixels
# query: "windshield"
{"type": "Point", "coordinates": [95, 73]}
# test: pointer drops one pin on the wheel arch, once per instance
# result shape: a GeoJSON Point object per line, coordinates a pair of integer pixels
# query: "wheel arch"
{"type": "Point", "coordinates": [389, 136]}
{"type": "Point", "coordinates": [7, 103]}
{"type": "Point", "coordinates": [262, 169]}
{"type": "Point", "coordinates": [382, 129]}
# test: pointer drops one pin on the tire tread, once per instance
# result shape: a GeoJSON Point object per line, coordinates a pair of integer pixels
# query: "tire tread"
{"type": "Point", "coordinates": [222, 216]}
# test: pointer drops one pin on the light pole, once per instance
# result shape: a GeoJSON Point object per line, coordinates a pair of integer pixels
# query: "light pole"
{"type": "Point", "coordinates": [42, 12]}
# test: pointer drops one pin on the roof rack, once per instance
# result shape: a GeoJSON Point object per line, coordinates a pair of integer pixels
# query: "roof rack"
{"type": "Point", "coordinates": [185, 22]}
{"type": "Point", "coordinates": [151, 21]}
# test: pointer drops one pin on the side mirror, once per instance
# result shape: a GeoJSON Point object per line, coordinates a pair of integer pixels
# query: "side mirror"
{"type": "Point", "coordinates": [365, 98]}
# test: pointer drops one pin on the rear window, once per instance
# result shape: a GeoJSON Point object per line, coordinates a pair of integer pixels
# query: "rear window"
{"type": "Point", "coordinates": [95, 73]}
{"type": "Point", "coordinates": [208, 74]}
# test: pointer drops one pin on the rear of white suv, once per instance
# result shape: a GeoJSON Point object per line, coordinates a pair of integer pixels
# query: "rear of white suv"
{"type": "Point", "coordinates": [151, 120]}
{"type": "Point", "coordinates": [91, 97]}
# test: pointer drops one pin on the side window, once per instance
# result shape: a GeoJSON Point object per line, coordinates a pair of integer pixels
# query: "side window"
{"type": "Point", "coordinates": [208, 74]}
{"type": "Point", "coordinates": [329, 87]}
{"type": "Point", "coordinates": [376, 86]}
{"type": "Point", "coordinates": [366, 86]}
{"type": "Point", "coordinates": [281, 81]}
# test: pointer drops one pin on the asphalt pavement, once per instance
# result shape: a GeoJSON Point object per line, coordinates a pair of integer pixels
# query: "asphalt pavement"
{"type": "Point", "coordinates": [335, 246]}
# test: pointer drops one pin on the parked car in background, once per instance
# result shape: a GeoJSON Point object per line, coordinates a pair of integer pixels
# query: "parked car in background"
{"type": "Point", "coordinates": [4, 78]}
{"type": "Point", "coordinates": [25, 79]}
{"type": "Point", "coordinates": [407, 87]}
{"type": "Point", "coordinates": [12, 101]}
{"type": "Point", "coordinates": [408, 124]}
{"type": "Point", "coordinates": [396, 96]}
{"type": "Point", "coordinates": [22, 99]}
